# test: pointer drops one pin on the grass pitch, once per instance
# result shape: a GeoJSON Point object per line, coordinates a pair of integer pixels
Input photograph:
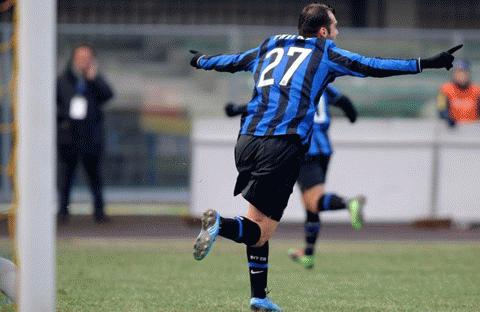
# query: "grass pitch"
{"type": "Point", "coordinates": [161, 275]}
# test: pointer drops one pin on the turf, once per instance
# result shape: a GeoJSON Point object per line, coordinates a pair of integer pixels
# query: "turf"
{"type": "Point", "coordinates": [161, 275]}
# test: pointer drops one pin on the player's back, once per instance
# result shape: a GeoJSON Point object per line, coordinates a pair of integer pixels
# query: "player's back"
{"type": "Point", "coordinates": [290, 74]}
{"type": "Point", "coordinates": [287, 84]}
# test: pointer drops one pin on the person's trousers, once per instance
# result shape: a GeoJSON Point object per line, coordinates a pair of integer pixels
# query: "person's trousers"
{"type": "Point", "coordinates": [68, 158]}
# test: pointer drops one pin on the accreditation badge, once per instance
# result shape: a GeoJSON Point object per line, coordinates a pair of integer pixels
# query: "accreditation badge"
{"type": "Point", "coordinates": [78, 107]}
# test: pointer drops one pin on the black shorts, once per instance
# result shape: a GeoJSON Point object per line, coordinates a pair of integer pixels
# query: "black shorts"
{"type": "Point", "coordinates": [267, 170]}
{"type": "Point", "coordinates": [313, 171]}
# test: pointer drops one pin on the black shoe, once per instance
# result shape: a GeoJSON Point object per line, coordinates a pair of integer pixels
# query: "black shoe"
{"type": "Point", "coordinates": [102, 219]}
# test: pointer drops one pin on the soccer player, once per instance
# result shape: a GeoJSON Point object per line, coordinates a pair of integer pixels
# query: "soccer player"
{"type": "Point", "coordinates": [290, 72]}
{"type": "Point", "coordinates": [313, 173]}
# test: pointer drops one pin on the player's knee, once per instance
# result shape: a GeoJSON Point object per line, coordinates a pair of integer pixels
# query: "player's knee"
{"type": "Point", "coordinates": [267, 229]}
{"type": "Point", "coordinates": [256, 216]}
{"type": "Point", "coordinates": [311, 198]}
{"type": "Point", "coordinates": [266, 224]}
{"type": "Point", "coordinates": [262, 241]}
{"type": "Point", "coordinates": [312, 206]}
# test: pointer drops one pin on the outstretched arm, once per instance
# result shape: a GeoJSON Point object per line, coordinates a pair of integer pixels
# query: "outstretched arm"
{"type": "Point", "coordinates": [343, 62]}
{"type": "Point", "coordinates": [231, 63]}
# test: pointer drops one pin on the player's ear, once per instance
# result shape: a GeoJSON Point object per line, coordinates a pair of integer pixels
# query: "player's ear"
{"type": "Point", "coordinates": [322, 32]}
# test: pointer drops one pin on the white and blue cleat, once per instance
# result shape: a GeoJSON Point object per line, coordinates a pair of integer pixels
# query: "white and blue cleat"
{"type": "Point", "coordinates": [208, 234]}
{"type": "Point", "coordinates": [263, 305]}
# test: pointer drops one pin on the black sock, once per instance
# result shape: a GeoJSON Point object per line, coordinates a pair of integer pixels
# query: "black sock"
{"type": "Point", "coordinates": [240, 230]}
{"type": "Point", "coordinates": [330, 201]}
{"type": "Point", "coordinates": [312, 228]}
{"type": "Point", "coordinates": [258, 270]}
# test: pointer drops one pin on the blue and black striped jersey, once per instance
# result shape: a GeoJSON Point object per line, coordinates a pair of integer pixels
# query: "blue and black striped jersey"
{"type": "Point", "coordinates": [291, 72]}
{"type": "Point", "coordinates": [320, 142]}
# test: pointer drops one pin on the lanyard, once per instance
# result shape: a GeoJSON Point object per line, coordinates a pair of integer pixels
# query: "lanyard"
{"type": "Point", "coordinates": [81, 87]}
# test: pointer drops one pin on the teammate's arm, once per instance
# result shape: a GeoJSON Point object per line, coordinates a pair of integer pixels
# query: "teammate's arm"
{"type": "Point", "coordinates": [333, 93]}
{"type": "Point", "coordinates": [343, 62]}
{"type": "Point", "coordinates": [231, 63]}
{"type": "Point", "coordinates": [343, 102]}
{"type": "Point", "coordinates": [232, 109]}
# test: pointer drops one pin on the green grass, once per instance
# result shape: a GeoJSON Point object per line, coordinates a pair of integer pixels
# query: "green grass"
{"type": "Point", "coordinates": [161, 275]}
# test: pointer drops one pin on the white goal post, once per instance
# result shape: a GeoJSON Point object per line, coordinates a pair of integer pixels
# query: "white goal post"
{"type": "Point", "coordinates": [36, 154]}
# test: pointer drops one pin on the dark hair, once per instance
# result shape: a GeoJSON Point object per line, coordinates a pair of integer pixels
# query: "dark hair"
{"type": "Point", "coordinates": [313, 17]}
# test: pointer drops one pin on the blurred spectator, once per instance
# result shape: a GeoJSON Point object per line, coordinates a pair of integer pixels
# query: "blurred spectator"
{"type": "Point", "coordinates": [81, 94]}
{"type": "Point", "coordinates": [459, 99]}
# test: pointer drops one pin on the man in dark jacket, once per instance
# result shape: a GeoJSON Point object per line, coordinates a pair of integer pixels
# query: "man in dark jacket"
{"type": "Point", "coordinates": [81, 94]}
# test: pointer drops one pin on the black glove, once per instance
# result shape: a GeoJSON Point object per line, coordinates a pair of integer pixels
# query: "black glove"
{"type": "Point", "coordinates": [348, 109]}
{"type": "Point", "coordinates": [442, 60]}
{"type": "Point", "coordinates": [232, 109]}
{"type": "Point", "coordinates": [196, 56]}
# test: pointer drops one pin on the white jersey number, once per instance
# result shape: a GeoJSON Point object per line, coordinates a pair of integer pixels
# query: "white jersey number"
{"type": "Point", "coordinates": [268, 82]}
{"type": "Point", "coordinates": [279, 52]}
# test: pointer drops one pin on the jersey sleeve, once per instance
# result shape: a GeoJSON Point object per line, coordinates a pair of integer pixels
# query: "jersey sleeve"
{"type": "Point", "coordinates": [231, 63]}
{"type": "Point", "coordinates": [342, 62]}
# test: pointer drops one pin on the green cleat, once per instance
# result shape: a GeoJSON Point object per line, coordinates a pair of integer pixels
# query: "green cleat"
{"type": "Point", "coordinates": [355, 206]}
{"type": "Point", "coordinates": [297, 256]}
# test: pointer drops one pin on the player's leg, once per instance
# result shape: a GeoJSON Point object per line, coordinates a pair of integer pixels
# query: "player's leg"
{"type": "Point", "coordinates": [312, 226]}
{"type": "Point", "coordinates": [258, 254]}
{"type": "Point", "coordinates": [332, 202]}
{"type": "Point", "coordinates": [254, 230]}
{"type": "Point", "coordinates": [311, 182]}
{"type": "Point", "coordinates": [262, 163]}
{"type": "Point", "coordinates": [257, 257]}
{"type": "Point", "coordinates": [268, 168]}
{"type": "Point", "coordinates": [268, 191]}
{"type": "Point", "coordinates": [239, 229]}
{"type": "Point", "coordinates": [312, 223]}
{"type": "Point", "coordinates": [312, 178]}
{"type": "Point", "coordinates": [267, 225]}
